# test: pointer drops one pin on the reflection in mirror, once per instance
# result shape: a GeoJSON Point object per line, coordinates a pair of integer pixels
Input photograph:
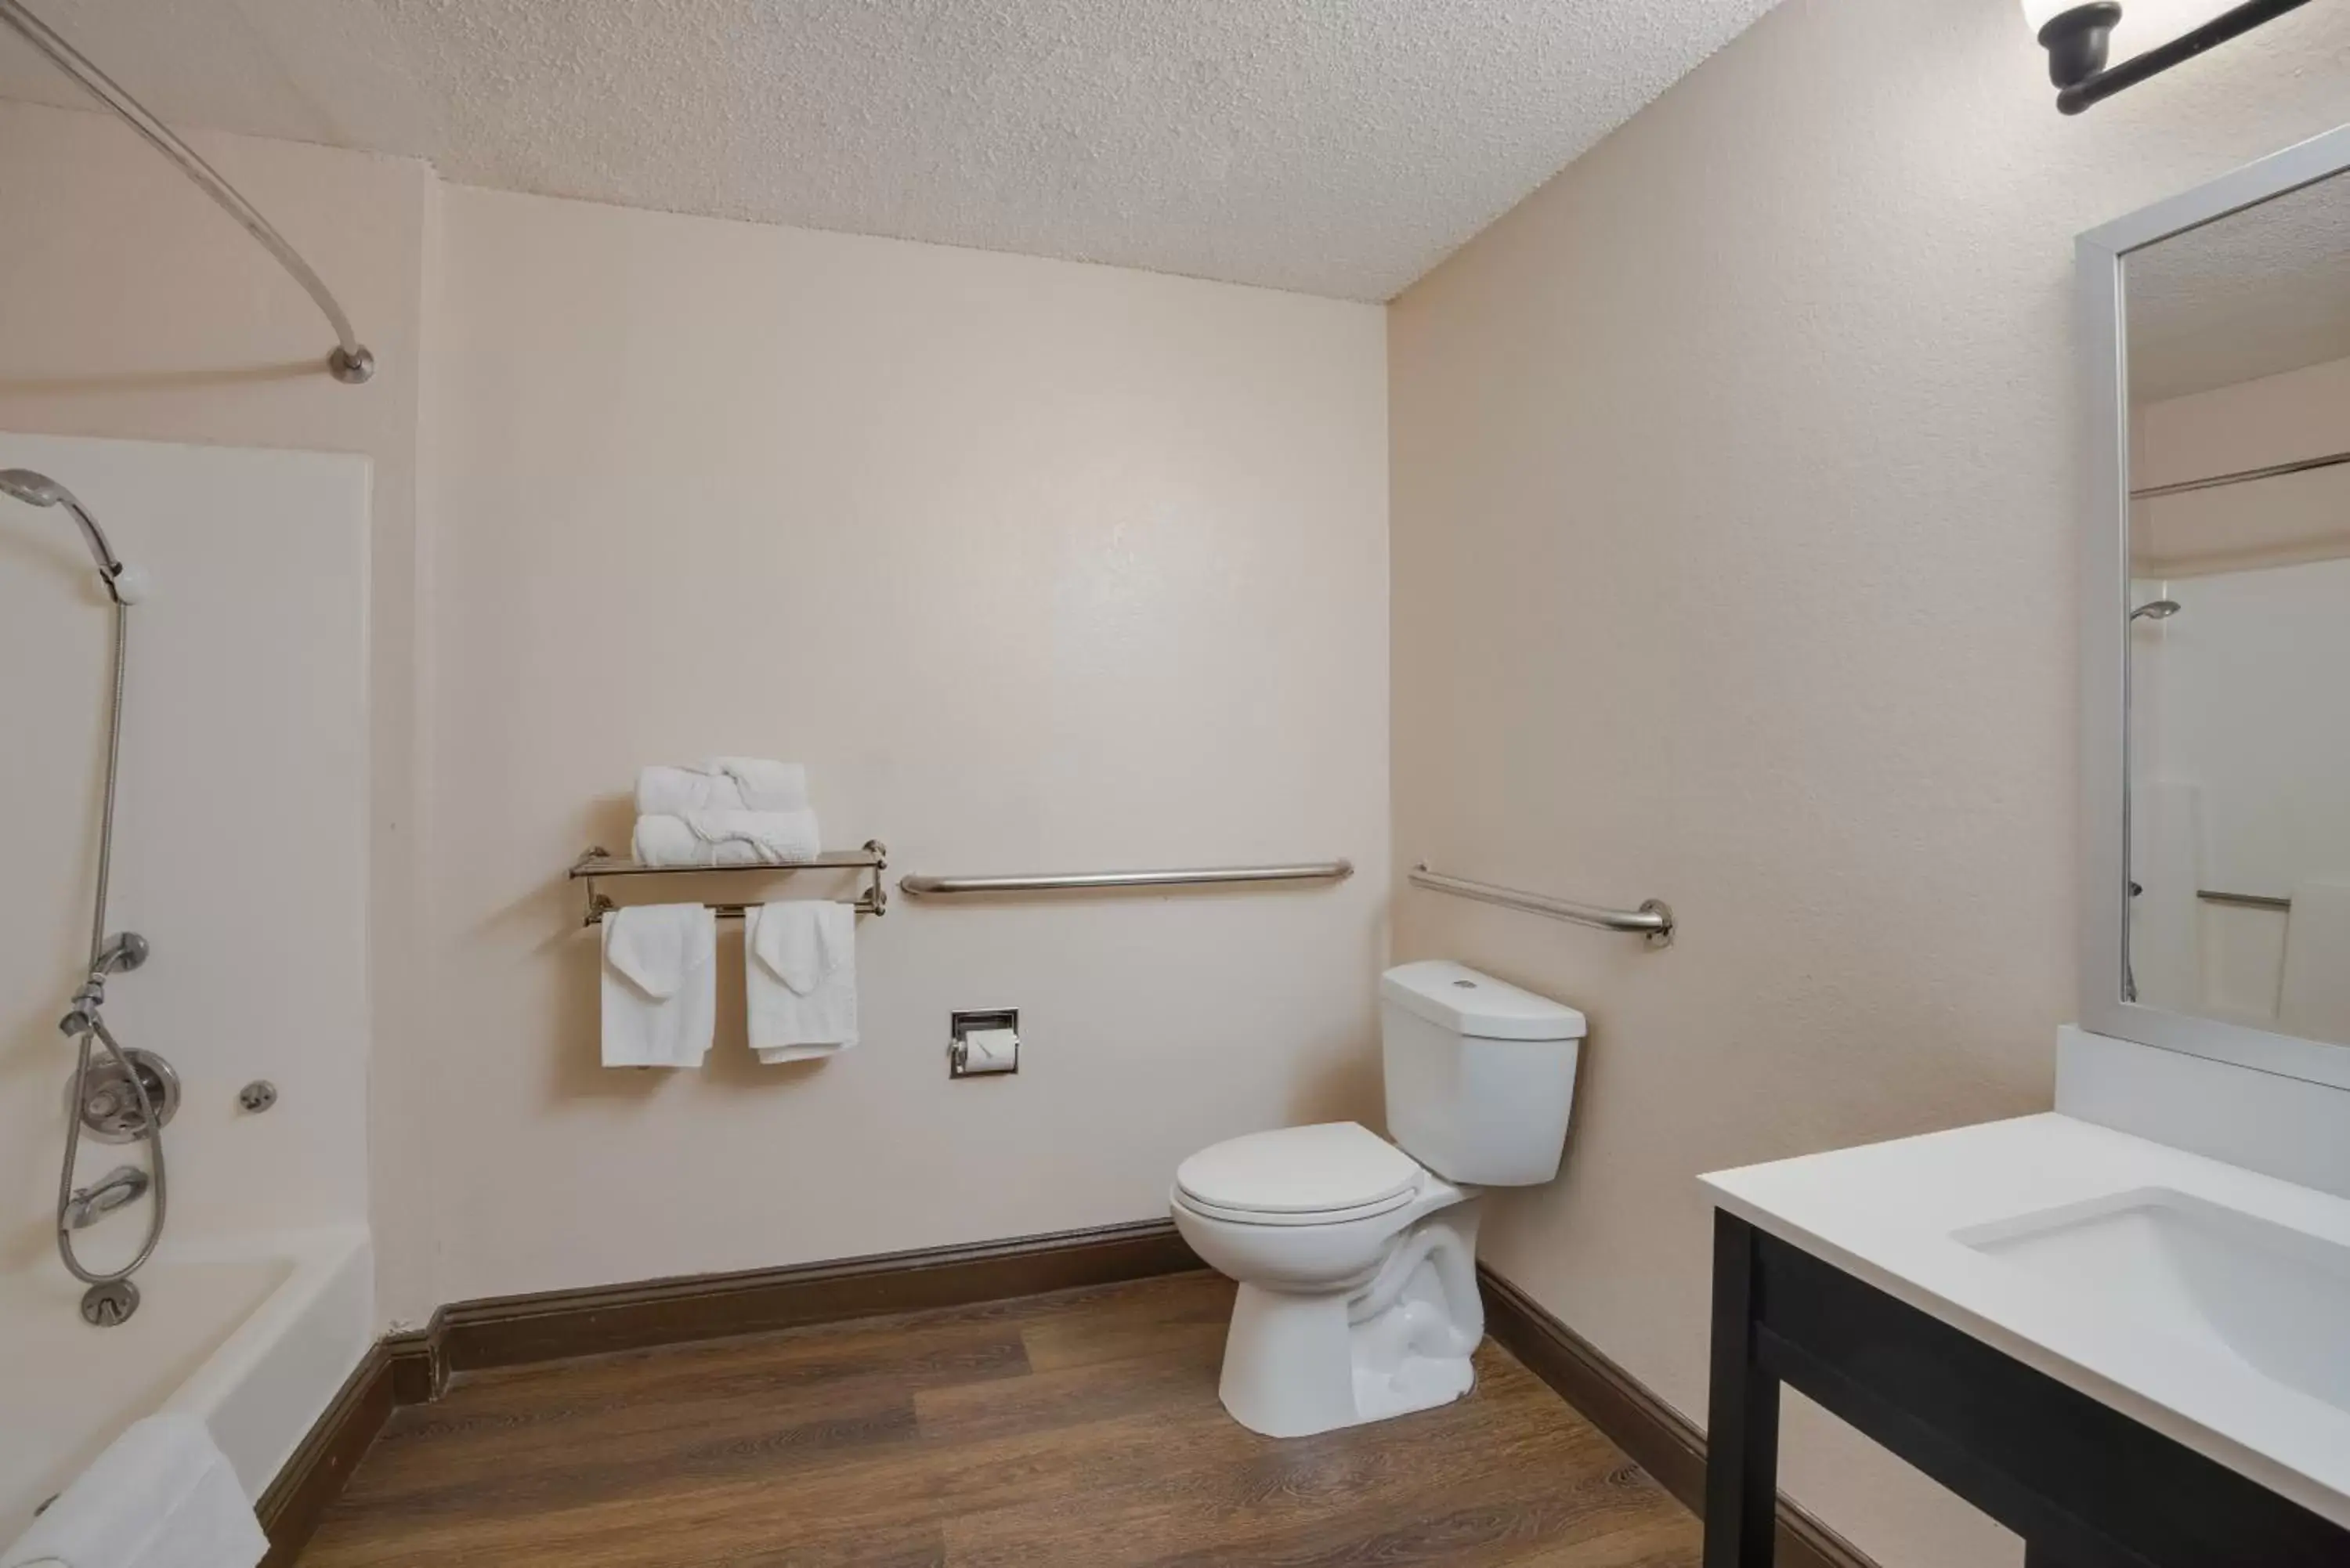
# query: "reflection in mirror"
{"type": "Point", "coordinates": [2238, 355]}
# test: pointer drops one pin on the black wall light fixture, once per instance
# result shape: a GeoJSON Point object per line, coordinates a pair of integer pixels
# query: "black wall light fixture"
{"type": "Point", "coordinates": [2075, 37]}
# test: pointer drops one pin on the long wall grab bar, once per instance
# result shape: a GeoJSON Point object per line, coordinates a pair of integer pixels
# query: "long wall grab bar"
{"type": "Point", "coordinates": [350, 362]}
{"type": "Point", "coordinates": [1098, 882]}
{"type": "Point", "coordinates": [2245, 900]}
{"type": "Point", "coordinates": [1653, 920]}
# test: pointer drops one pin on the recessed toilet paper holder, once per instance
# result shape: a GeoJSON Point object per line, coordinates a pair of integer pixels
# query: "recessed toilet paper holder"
{"type": "Point", "coordinates": [975, 1044]}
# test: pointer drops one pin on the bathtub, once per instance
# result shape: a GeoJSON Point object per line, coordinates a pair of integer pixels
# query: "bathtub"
{"type": "Point", "coordinates": [254, 1339]}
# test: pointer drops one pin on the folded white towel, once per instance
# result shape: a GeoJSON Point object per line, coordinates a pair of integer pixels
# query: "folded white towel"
{"type": "Point", "coordinates": [729, 839]}
{"type": "Point", "coordinates": [659, 985]}
{"type": "Point", "coordinates": [800, 980]}
{"type": "Point", "coordinates": [722, 783]}
{"type": "Point", "coordinates": [162, 1495]}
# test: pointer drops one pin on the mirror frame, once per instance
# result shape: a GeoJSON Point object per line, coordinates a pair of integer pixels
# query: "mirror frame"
{"type": "Point", "coordinates": [2104, 622]}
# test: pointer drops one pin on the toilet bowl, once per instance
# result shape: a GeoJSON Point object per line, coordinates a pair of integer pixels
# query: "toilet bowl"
{"type": "Point", "coordinates": [1357, 1274]}
{"type": "Point", "coordinates": [1356, 1258]}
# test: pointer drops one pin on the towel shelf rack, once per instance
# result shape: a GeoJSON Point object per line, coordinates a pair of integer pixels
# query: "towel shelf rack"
{"type": "Point", "coordinates": [1653, 920]}
{"type": "Point", "coordinates": [598, 862]}
{"type": "Point", "coordinates": [1104, 881]}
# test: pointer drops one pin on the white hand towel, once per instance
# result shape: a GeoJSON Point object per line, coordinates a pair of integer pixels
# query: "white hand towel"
{"type": "Point", "coordinates": [729, 839]}
{"type": "Point", "coordinates": [162, 1495]}
{"type": "Point", "coordinates": [800, 980]}
{"type": "Point", "coordinates": [659, 985]}
{"type": "Point", "coordinates": [722, 783]}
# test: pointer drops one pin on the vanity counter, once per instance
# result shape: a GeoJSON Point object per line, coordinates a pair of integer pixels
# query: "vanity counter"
{"type": "Point", "coordinates": [2204, 1303]}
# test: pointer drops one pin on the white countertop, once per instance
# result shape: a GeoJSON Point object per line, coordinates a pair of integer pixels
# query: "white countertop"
{"type": "Point", "coordinates": [1890, 1214]}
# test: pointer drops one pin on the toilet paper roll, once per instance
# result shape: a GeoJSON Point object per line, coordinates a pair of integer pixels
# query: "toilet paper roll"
{"type": "Point", "coordinates": [991, 1051]}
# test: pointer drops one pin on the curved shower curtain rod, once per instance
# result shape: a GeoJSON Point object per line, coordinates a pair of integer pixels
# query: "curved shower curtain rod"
{"type": "Point", "coordinates": [350, 362]}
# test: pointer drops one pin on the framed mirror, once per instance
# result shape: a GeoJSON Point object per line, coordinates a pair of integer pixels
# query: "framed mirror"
{"type": "Point", "coordinates": [2216, 631]}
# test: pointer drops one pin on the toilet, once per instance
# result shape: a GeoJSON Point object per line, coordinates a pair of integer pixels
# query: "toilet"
{"type": "Point", "coordinates": [1357, 1258]}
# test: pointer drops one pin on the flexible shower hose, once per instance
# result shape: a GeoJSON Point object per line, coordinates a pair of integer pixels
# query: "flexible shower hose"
{"type": "Point", "coordinates": [91, 1025]}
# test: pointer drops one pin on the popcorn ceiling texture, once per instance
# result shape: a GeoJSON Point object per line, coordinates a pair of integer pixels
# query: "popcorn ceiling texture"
{"type": "Point", "coordinates": [1336, 149]}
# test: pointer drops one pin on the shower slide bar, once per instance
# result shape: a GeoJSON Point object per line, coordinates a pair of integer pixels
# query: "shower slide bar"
{"type": "Point", "coordinates": [1653, 920]}
{"type": "Point", "coordinates": [598, 862]}
{"type": "Point", "coordinates": [350, 362]}
{"type": "Point", "coordinates": [1110, 881]}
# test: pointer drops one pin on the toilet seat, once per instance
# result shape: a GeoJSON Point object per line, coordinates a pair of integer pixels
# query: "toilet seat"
{"type": "Point", "coordinates": [1326, 1174]}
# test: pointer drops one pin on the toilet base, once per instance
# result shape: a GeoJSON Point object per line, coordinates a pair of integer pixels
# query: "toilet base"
{"type": "Point", "coordinates": [1296, 1364]}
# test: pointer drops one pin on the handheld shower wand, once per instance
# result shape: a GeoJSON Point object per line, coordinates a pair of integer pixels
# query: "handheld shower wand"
{"type": "Point", "coordinates": [122, 583]}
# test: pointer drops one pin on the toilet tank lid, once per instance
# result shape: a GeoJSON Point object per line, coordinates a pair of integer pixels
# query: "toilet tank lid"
{"type": "Point", "coordinates": [1454, 996]}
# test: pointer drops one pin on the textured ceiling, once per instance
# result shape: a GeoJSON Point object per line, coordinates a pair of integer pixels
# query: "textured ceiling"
{"type": "Point", "coordinates": [2259, 293]}
{"type": "Point", "coordinates": [1338, 147]}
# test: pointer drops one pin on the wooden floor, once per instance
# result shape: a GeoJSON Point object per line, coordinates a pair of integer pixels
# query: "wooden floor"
{"type": "Point", "coordinates": [1079, 1429]}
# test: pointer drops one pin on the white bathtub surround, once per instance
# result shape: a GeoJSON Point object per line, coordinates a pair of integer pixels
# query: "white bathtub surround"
{"type": "Point", "coordinates": [799, 969]}
{"type": "Point", "coordinates": [162, 1495]}
{"type": "Point", "coordinates": [659, 985]}
{"type": "Point", "coordinates": [729, 839]}
{"type": "Point", "coordinates": [722, 783]}
{"type": "Point", "coordinates": [2199, 1298]}
{"type": "Point", "coordinates": [2313, 987]}
{"type": "Point", "coordinates": [252, 1336]}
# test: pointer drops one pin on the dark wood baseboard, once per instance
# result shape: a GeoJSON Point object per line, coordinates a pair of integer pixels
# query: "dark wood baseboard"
{"type": "Point", "coordinates": [1659, 1438]}
{"type": "Point", "coordinates": [310, 1481]}
{"type": "Point", "coordinates": [413, 1367]}
{"type": "Point", "coordinates": [557, 1325]}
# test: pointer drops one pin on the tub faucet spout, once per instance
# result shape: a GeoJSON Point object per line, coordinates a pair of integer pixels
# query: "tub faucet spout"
{"type": "Point", "coordinates": [88, 1205]}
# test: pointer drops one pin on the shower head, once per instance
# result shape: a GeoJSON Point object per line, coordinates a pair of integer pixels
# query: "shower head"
{"type": "Point", "coordinates": [40, 490]}
{"type": "Point", "coordinates": [34, 489]}
{"type": "Point", "coordinates": [2161, 609]}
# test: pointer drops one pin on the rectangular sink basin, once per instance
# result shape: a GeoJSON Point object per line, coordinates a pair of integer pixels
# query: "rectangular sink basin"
{"type": "Point", "coordinates": [2273, 1299]}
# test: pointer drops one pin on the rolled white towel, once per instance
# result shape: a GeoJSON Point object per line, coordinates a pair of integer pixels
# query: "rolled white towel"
{"type": "Point", "coordinates": [722, 783]}
{"type": "Point", "coordinates": [729, 839]}
{"type": "Point", "coordinates": [161, 1496]}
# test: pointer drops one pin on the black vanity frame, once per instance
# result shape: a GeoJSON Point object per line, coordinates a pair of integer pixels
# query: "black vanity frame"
{"type": "Point", "coordinates": [2084, 1485]}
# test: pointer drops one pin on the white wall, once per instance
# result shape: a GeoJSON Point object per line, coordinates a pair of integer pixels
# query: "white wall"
{"type": "Point", "coordinates": [1039, 566]}
{"type": "Point", "coordinates": [241, 849]}
{"type": "Point", "coordinates": [1734, 490]}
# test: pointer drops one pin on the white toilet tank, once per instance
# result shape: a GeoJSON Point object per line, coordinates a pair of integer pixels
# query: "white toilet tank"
{"type": "Point", "coordinates": [1480, 1075]}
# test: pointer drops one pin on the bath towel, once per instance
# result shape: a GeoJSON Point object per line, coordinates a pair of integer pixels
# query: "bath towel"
{"type": "Point", "coordinates": [800, 980]}
{"type": "Point", "coordinates": [729, 839]}
{"type": "Point", "coordinates": [722, 783]}
{"type": "Point", "coordinates": [659, 985]}
{"type": "Point", "coordinates": [162, 1495]}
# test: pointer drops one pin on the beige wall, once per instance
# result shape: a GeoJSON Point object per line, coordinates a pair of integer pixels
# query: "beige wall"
{"type": "Point", "coordinates": [1733, 480]}
{"type": "Point", "coordinates": [135, 308]}
{"type": "Point", "coordinates": [2285, 417]}
{"type": "Point", "coordinates": [1038, 567]}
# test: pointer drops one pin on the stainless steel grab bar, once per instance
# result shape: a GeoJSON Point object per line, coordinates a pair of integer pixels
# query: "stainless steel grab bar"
{"type": "Point", "coordinates": [1097, 881]}
{"type": "Point", "coordinates": [1653, 920]}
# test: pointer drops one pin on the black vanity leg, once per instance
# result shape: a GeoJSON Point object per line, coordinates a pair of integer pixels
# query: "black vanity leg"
{"type": "Point", "coordinates": [1741, 1469]}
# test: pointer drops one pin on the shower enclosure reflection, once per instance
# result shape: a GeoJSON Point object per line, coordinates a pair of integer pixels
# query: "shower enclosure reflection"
{"type": "Point", "coordinates": [2239, 386]}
